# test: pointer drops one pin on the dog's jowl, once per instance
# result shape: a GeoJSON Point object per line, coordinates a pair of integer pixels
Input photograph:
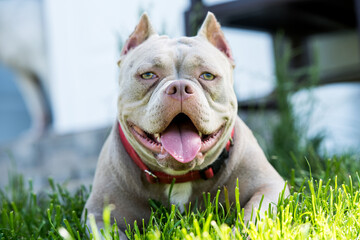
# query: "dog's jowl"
{"type": "Point", "coordinates": [177, 121]}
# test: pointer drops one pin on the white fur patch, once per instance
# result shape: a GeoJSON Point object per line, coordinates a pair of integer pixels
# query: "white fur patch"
{"type": "Point", "coordinates": [180, 194]}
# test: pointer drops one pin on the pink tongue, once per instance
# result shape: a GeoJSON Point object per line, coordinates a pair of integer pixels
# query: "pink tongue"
{"type": "Point", "coordinates": [181, 140]}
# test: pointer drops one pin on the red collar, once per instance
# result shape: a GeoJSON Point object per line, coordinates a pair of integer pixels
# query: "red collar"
{"type": "Point", "coordinates": [161, 177]}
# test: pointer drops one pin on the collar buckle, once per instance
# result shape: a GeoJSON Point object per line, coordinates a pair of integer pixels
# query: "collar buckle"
{"type": "Point", "coordinates": [150, 177]}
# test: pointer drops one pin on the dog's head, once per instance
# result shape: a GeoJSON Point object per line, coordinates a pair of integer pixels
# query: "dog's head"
{"type": "Point", "coordinates": [177, 106]}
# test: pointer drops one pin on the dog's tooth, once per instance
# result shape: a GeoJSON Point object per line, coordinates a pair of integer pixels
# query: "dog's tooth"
{"type": "Point", "coordinates": [138, 130]}
{"type": "Point", "coordinates": [200, 134]}
{"type": "Point", "coordinates": [157, 136]}
{"type": "Point", "coordinates": [200, 157]}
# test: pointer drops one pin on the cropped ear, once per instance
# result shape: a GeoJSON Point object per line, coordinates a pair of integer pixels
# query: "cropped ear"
{"type": "Point", "coordinates": [211, 30]}
{"type": "Point", "coordinates": [142, 32]}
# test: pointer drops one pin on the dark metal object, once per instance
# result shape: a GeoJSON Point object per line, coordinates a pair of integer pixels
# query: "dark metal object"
{"type": "Point", "coordinates": [297, 19]}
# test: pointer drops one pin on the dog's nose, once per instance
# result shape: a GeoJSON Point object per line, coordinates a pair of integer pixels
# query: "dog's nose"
{"type": "Point", "coordinates": [180, 90]}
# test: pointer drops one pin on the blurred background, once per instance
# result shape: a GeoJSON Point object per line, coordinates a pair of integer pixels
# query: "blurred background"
{"type": "Point", "coordinates": [297, 77]}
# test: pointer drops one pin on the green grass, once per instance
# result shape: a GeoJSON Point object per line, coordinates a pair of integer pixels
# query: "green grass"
{"type": "Point", "coordinates": [316, 209]}
{"type": "Point", "coordinates": [27, 215]}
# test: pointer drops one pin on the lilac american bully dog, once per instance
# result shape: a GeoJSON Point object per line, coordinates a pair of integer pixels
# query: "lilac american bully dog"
{"type": "Point", "coordinates": [177, 119]}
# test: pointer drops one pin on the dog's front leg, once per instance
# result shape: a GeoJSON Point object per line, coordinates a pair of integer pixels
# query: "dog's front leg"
{"type": "Point", "coordinates": [265, 195]}
{"type": "Point", "coordinates": [99, 226]}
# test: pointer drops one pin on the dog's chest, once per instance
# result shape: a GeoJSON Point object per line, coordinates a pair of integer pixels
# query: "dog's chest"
{"type": "Point", "coordinates": [180, 193]}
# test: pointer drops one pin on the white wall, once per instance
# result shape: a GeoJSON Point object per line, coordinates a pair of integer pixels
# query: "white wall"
{"type": "Point", "coordinates": [253, 54]}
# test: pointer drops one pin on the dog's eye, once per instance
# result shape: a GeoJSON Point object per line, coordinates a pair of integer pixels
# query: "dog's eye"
{"type": "Point", "coordinates": [207, 76]}
{"type": "Point", "coordinates": [148, 75]}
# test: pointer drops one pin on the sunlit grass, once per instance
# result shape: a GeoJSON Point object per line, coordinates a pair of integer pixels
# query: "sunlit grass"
{"type": "Point", "coordinates": [315, 210]}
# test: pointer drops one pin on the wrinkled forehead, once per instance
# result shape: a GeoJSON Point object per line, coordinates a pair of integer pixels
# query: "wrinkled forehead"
{"type": "Point", "coordinates": [159, 51]}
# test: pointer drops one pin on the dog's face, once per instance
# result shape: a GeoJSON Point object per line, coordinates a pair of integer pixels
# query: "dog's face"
{"type": "Point", "coordinates": [176, 104]}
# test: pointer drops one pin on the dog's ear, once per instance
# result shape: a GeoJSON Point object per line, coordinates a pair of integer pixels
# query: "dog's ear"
{"type": "Point", "coordinates": [211, 30]}
{"type": "Point", "coordinates": [142, 32]}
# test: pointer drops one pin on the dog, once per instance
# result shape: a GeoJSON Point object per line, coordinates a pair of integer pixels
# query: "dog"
{"type": "Point", "coordinates": [177, 121]}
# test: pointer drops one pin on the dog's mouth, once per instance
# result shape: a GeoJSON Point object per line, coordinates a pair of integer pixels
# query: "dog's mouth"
{"type": "Point", "coordinates": [181, 139]}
